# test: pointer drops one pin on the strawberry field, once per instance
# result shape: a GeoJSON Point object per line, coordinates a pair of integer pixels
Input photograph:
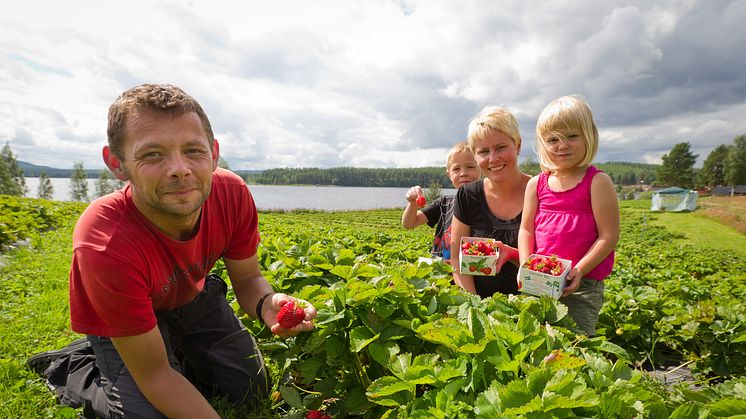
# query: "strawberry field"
{"type": "Point", "coordinates": [394, 338]}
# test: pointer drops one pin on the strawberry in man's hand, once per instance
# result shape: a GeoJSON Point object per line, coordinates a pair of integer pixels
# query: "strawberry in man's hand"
{"type": "Point", "coordinates": [421, 201]}
{"type": "Point", "coordinates": [291, 315]}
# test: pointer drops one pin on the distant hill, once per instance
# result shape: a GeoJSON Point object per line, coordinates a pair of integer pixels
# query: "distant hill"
{"type": "Point", "coordinates": [33, 170]}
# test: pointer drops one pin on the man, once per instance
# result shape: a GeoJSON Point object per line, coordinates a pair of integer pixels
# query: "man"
{"type": "Point", "coordinates": [157, 324]}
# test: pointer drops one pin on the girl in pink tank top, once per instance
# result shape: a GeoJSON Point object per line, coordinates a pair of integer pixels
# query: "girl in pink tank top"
{"type": "Point", "coordinates": [571, 209]}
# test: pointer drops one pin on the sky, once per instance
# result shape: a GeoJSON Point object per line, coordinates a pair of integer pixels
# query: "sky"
{"type": "Point", "coordinates": [373, 83]}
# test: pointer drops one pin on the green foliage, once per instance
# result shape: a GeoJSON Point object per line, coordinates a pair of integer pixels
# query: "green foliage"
{"type": "Point", "coordinates": [678, 167]}
{"type": "Point", "coordinates": [664, 300]}
{"type": "Point", "coordinates": [433, 191]}
{"type": "Point", "coordinates": [713, 170]}
{"type": "Point", "coordinates": [19, 217]}
{"type": "Point", "coordinates": [45, 189]}
{"type": "Point", "coordinates": [105, 184]}
{"type": "Point", "coordinates": [354, 176]}
{"type": "Point", "coordinates": [735, 166]}
{"type": "Point", "coordinates": [394, 337]}
{"type": "Point", "coordinates": [79, 183]}
{"type": "Point", "coordinates": [11, 175]}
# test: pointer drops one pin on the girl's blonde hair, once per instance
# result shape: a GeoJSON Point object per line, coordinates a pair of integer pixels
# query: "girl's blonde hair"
{"type": "Point", "coordinates": [492, 118]}
{"type": "Point", "coordinates": [565, 113]}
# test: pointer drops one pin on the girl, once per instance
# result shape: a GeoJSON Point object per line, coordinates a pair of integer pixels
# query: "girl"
{"type": "Point", "coordinates": [571, 209]}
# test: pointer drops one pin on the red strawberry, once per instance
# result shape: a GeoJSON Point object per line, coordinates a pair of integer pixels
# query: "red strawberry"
{"type": "Point", "coordinates": [290, 315]}
{"type": "Point", "coordinates": [472, 268]}
{"type": "Point", "coordinates": [421, 201]}
{"type": "Point", "coordinates": [316, 414]}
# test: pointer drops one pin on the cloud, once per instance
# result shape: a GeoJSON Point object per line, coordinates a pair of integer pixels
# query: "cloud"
{"type": "Point", "coordinates": [373, 83]}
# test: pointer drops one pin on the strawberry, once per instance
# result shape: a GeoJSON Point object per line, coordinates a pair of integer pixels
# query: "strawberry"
{"type": "Point", "coordinates": [291, 315]}
{"type": "Point", "coordinates": [421, 201]}
{"type": "Point", "coordinates": [316, 414]}
{"type": "Point", "coordinates": [472, 268]}
{"type": "Point", "coordinates": [486, 270]}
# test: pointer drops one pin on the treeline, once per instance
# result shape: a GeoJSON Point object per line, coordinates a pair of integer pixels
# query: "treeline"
{"type": "Point", "coordinates": [353, 176]}
{"type": "Point", "coordinates": [621, 173]}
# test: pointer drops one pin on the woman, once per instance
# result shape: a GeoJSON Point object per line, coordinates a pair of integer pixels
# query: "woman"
{"type": "Point", "coordinates": [491, 207]}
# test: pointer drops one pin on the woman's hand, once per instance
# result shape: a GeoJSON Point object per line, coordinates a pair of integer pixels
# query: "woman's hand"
{"type": "Point", "coordinates": [506, 254]}
{"type": "Point", "coordinates": [272, 309]}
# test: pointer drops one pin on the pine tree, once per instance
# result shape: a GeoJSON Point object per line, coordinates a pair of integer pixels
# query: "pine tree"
{"type": "Point", "coordinates": [79, 183]}
{"type": "Point", "coordinates": [105, 183]}
{"type": "Point", "coordinates": [678, 167]}
{"type": "Point", "coordinates": [713, 170]}
{"type": "Point", "coordinates": [735, 164]}
{"type": "Point", "coordinates": [12, 181]}
{"type": "Point", "coordinates": [45, 189]}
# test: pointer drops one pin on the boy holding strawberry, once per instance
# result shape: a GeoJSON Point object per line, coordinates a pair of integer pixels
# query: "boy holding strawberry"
{"type": "Point", "coordinates": [461, 168]}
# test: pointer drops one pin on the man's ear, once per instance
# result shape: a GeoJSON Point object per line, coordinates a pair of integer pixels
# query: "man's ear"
{"type": "Point", "coordinates": [215, 153]}
{"type": "Point", "coordinates": [113, 163]}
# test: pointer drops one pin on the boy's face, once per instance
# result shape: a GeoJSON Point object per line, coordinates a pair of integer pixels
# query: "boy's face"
{"type": "Point", "coordinates": [462, 169]}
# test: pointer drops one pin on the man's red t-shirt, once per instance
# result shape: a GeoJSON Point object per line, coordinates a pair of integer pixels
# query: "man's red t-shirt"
{"type": "Point", "coordinates": [124, 268]}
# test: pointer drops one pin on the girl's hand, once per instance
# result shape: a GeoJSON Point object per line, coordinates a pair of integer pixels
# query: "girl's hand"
{"type": "Point", "coordinates": [413, 193]}
{"type": "Point", "coordinates": [573, 282]}
{"type": "Point", "coordinates": [270, 311]}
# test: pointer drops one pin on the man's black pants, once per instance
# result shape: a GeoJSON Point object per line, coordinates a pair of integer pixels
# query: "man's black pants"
{"type": "Point", "coordinates": [204, 341]}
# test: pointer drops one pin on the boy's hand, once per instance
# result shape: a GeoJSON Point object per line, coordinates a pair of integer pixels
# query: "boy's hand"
{"type": "Point", "coordinates": [413, 193]}
{"type": "Point", "coordinates": [270, 312]}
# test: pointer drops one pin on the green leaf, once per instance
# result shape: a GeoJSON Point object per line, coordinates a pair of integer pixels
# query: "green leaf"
{"type": "Point", "coordinates": [689, 411]}
{"type": "Point", "coordinates": [360, 337]}
{"type": "Point", "coordinates": [381, 352]}
{"type": "Point", "coordinates": [740, 338]}
{"type": "Point", "coordinates": [343, 271]}
{"type": "Point", "coordinates": [356, 402]}
{"type": "Point", "coordinates": [488, 404]}
{"type": "Point", "coordinates": [387, 386]}
{"type": "Point", "coordinates": [728, 407]}
{"type": "Point", "coordinates": [291, 397]}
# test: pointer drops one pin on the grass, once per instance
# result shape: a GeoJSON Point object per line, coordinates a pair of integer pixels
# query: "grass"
{"type": "Point", "coordinates": [34, 311]}
{"type": "Point", "coordinates": [699, 227]}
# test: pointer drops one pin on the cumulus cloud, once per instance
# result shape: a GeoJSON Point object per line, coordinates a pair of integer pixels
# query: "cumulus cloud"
{"type": "Point", "coordinates": [373, 83]}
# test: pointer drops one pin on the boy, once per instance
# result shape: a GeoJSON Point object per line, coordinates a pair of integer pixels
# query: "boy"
{"type": "Point", "coordinates": [461, 168]}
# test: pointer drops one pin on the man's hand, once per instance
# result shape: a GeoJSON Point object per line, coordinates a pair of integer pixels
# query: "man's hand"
{"type": "Point", "coordinates": [272, 308]}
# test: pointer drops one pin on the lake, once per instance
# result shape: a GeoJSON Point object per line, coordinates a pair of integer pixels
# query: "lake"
{"type": "Point", "coordinates": [281, 197]}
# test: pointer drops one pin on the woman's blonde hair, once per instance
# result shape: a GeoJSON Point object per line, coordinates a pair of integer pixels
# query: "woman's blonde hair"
{"type": "Point", "coordinates": [565, 113]}
{"type": "Point", "coordinates": [492, 118]}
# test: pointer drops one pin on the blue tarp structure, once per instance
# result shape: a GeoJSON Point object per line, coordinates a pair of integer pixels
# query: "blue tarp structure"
{"type": "Point", "coordinates": [674, 199]}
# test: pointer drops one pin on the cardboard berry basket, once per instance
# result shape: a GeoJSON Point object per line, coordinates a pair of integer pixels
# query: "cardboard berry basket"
{"type": "Point", "coordinates": [539, 283]}
{"type": "Point", "coordinates": [482, 265]}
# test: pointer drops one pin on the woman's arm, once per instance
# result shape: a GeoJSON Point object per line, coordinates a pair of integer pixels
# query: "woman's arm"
{"type": "Point", "coordinates": [459, 230]}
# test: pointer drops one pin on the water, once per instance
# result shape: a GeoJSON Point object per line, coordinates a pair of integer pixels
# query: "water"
{"type": "Point", "coordinates": [281, 197]}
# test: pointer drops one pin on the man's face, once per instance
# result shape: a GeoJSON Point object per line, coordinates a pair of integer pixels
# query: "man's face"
{"type": "Point", "coordinates": [169, 162]}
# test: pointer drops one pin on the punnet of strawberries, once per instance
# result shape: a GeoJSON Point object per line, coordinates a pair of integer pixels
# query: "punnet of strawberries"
{"type": "Point", "coordinates": [545, 264]}
{"type": "Point", "coordinates": [479, 248]}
